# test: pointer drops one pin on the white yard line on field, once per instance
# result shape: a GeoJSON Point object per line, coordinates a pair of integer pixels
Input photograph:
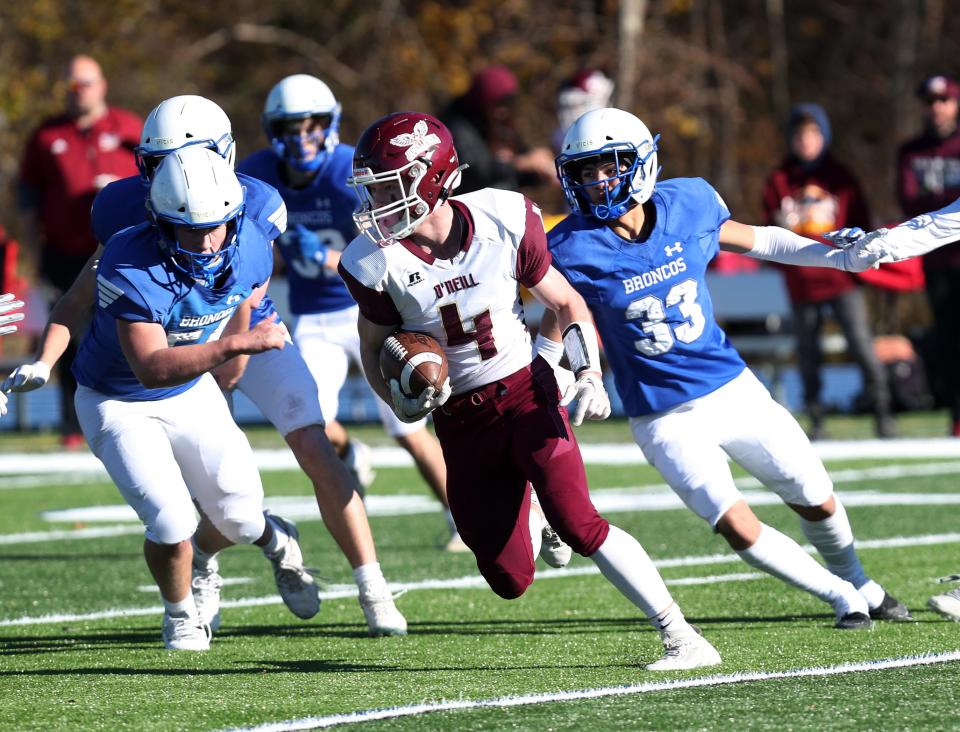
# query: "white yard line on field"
{"type": "Point", "coordinates": [625, 453]}
{"type": "Point", "coordinates": [477, 582]}
{"type": "Point", "coordinates": [649, 687]}
{"type": "Point", "coordinates": [336, 592]}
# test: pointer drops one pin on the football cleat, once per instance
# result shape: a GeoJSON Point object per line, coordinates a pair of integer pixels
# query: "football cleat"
{"type": "Point", "coordinates": [455, 545]}
{"type": "Point", "coordinates": [185, 634]}
{"type": "Point", "coordinates": [296, 585]}
{"type": "Point", "coordinates": [383, 618]}
{"type": "Point", "coordinates": [358, 461]}
{"type": "Point", "coordinates": [685, 651]}
{"type": "Point", "coordinates": [891, 609]}
{"type": "Point", "coordinates": [554, 550]}
{"type": "Point", "coordinates": [947, 604]}
{"type": "Point", "coordinates": [206, 584]}
{"type": "Point", "coordinates": [852, 611]}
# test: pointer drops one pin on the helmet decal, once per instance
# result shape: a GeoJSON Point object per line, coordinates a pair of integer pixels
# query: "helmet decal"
{"type": "Point", "coordinates": [419, 143]}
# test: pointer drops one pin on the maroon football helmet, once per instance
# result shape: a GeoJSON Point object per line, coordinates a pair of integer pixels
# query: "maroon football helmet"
{"type": "Point", "coordinates": [404, 165]}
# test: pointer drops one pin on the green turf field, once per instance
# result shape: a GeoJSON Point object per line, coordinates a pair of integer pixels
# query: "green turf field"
{"type": "Point", "coordinates": [80, 625]}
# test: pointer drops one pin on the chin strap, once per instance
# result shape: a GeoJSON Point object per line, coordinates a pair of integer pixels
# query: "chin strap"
{"type": "Point", "coordinates": [581, 347]}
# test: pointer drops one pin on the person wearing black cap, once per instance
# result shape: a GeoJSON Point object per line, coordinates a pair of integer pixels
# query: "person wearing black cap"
{"type": "Point", "coordinates": [483, 125]}
{"type": "Point", "coordinates": [811, 193]}
{"type": "Point", "coordinates": [929, 179]}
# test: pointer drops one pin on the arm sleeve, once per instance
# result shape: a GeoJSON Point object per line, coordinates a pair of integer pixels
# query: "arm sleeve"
{"type": "Point", "coordinates": [376, 306]}
{"type": "Point", "coordinates": [924, 233]}
{"type": "Point", "coordinates": [533, 258]}
{"type": "Point", "coordinates": [776, 244]}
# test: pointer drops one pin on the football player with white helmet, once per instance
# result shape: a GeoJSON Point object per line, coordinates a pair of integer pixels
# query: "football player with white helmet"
{"type": "Point", "coordinates": [277, 381]}
{"type": "Point", "coordinates": [174, 298]}
{"type": "Point", "coordinates": [309, 166]}
{"type": "Point", "coordinates": [637, 249]}
{"type": "Point", "coordinates": [452, 267]}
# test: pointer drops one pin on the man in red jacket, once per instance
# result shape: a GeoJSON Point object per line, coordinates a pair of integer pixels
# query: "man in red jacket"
{"type": "Point", "coordinates": [68, 159]}
{"type": "Point", "coordinates": [811, 193]}
{"type": "Point", "coordinates": [928, 179]}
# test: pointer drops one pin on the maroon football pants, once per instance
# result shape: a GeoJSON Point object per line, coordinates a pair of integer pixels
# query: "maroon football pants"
{"type": "Point", "coordinates": [498, 439]}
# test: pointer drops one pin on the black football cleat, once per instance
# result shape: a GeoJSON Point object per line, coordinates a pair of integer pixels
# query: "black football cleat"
{"type": "Point", "coordinates": [891, 609]}
{"type": "Point", "coordinates": [854, 621]}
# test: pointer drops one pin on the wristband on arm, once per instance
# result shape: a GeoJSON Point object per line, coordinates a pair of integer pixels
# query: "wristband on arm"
{"type": "Point", "coordinates": [581, 347]}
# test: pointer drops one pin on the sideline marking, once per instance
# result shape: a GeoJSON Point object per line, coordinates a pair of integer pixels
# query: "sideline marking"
{"type": "Point", "coordinates": [308, 723]}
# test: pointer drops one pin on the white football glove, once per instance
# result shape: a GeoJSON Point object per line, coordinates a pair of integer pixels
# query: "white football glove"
{"type": "Point", "coordinates": [866, 252]}
{"type": "Point", "coordinates": [413, 409]}
{"type": "Point", "coordinates": [3, 403]}
{"type": "Point", "coordinates": [7, 305]}
{"type": "Point", "coordinates": [593, 402]}
{"type": "Point", "coordinates": [844, 238]}
{"type": "Point", "coordinates": [28, 377]}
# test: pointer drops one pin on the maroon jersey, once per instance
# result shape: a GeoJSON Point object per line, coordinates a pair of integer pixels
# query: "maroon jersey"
{"type": "Point", "coordinates": [811, 203]}
{"type": "Point", "coordinates": [928, 178]}
{"type": "Point", "coordinates": [66, 166]}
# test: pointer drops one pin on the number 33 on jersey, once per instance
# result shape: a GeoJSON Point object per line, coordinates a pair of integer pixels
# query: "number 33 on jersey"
{"type": "Point", "coordinates": [650, 299]}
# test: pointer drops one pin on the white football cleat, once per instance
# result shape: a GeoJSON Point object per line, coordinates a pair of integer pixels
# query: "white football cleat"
{"type": "Point", "coordinates": [185, 634]}
{"type": "Point", "coordinates": [296, 585]}
{"type": "Point", "coordinates": [947, 604]}
{"type": "Point", "coordinates": [554, 550]}
{"type": "Point", "coordinates": [685, 651]}
{"type": "Point", "coordinates": [381, 612]}
{"type": "Point", "coordinates": [358, 460]}
{"type": "Point", "coordinates": [206, 584]}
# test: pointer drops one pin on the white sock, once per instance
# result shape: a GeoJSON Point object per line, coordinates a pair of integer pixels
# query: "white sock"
{"type": "Point", "coordinates": [201, 560]}
{"type": "Point", "coordinates": [833, 538]}
{"type": "Point", "coordinates": [779, 555]}
{"type": "Point", "coordinates": [536, 520]}
{"type": "Point", "coordinates": [277, 541]}
{"type": "Point", "coordinates": [369, 578]}
{"type": "Point", "coordinates": [451, 524]}
{"type": "Point", "coordinates": [185, 608]}
{"type": "Point", "coordinates": [624, 563]}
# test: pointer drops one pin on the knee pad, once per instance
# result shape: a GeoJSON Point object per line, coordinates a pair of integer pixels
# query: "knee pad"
{"type": "Point", "coordinates": [171, 524]}
{"type": "Point", "coordinates": [242, 528]}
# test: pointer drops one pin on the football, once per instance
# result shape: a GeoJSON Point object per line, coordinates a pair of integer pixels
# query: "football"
{"type": "Point", "coordinates": [416, 360]}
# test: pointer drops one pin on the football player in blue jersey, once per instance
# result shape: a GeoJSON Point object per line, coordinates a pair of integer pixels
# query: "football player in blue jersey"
{"type": "Point", "coordinates": [290, 403]}
{"type": "Point", "coordinates": [309, 166]}
{"type": "Point", "coordinates": [637, 250]}
{"type": "Point", "coordinates": [174, 299]}
{"type": "Point", "coordinates": [8, 304]}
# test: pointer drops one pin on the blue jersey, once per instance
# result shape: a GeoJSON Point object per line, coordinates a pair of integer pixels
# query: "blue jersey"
{"type": "Point", "coordinates": [650, 299]}
{"type": "Point", "coordinates": [324, 206]}
{"type": "Point", "coordinates": [123, 203]}
{"type": "Point", "coordinates": [138, 282]}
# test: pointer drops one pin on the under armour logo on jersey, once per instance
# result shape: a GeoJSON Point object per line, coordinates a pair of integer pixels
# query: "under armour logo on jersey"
{"type": "Point", "coordinates": [233, 299]}
{"type": "Point", "coordinates": [418, 142]}
{"type": "Point", "coordinates": [674, 248]}
{"type": "Point", "coordinates": [415, 278]}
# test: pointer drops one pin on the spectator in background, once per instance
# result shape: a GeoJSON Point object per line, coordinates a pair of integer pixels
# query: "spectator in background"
{"type": "Point", "coordinates": [483, 125]}
{"type": "Point", "coordinates": [68, 159]}
{"type": "Point", "coordinates": [586, 90]}
{"type": "Point", "coordinates": [928, 179]}
{"type": "Point", "coordinates": [810, 193]}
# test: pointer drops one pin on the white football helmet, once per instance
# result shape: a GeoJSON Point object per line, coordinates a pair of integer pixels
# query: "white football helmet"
{"type": "Point", "coordinates": [295, 98]}
{"type": "Point", "coordinates": [195, 187]}
{"type": "Point", "coordinates": [179, 121]}
{"type": "Point", "coordinates": [608, 134]}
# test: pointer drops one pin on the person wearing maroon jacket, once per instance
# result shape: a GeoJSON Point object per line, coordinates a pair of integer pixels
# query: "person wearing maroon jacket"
{"type": "Point", "coordinates": [811, 193]}
{"type": "Point", "coordinates": [928, 178]}
{"type": "Point", "coordinates": [67, 160]}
